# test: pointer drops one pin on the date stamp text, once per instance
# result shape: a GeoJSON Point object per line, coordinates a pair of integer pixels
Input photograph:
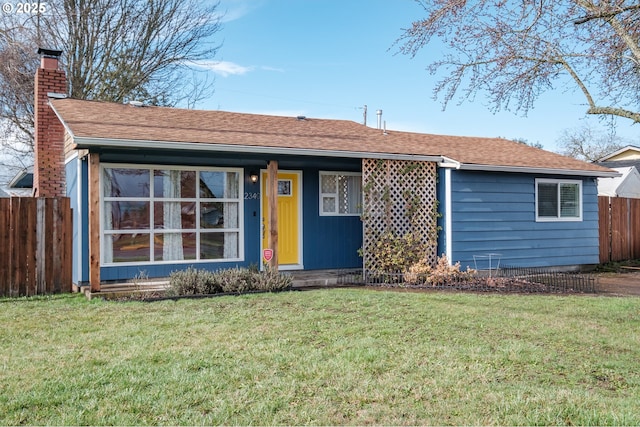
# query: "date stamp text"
{"type": "Point", "coordinates": [25, 8]}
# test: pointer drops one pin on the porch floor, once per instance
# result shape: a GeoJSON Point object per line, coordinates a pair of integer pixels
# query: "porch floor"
{"type": "Point", "coordinates": [301, 279]}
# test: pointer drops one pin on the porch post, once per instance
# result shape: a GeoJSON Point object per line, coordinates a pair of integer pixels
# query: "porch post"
{"type": "Point", "coordinates": [272, 197]}
{"type": "Point", "coordinates": [94, 222]}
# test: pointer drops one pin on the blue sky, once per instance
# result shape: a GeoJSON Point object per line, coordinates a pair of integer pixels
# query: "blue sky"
{"type": "Point", "coordinates": [328, 58]}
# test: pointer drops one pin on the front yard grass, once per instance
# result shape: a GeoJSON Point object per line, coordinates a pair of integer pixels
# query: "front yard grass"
{"type": "Point", "coordinates": [340, 356]}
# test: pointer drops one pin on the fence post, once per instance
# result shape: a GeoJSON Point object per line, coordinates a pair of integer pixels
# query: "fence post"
{"type": "Point", "coordinates": [5, 246]}
{"type": "Point", "coordinates": [604, 228]}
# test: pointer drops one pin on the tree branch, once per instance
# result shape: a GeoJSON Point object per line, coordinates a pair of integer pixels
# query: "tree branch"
{"type": "Point", "coordinates": [601, 15]}
{"type": "Point", "coordinates": [613, 111]}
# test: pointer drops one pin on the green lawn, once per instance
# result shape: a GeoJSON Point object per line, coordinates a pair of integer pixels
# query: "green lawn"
{"type": "Point", "coordinates": [341, 356]}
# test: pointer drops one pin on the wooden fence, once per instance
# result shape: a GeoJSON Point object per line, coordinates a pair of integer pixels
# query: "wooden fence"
{"type": "Point", "coordinates": [619, 220]}
{"type": "Point", "coordinates": [35, 246]}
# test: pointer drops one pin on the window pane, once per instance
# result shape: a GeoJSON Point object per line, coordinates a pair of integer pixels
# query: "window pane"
{"type": "Point", "coordinates": [174, 184]}
{"type": "Point", "coordinates": [211, 185]}
{"type": "Point", "coordinates": [219, 185]}
{"type": "Point", "coordinates": [174, 246]}
{"type": "Point", "coordinates": [211, 215]}
{"type": "Point", "coordinates": [219, 215]}
{"type": "Point", "coordinates": [284, 187]}
{"type": "Point", "coordinates": [230, 215]}
{"type": "Point", "coordinates": [233, 185]}
{"type": "Point", "coordinates": [328, 204]}
{"type": "Point", "coordinates": [212, 245]}
{"type": "Point", "coordinates": [128, 247]}
{"type": "Point", "coordinates": [547, 199]}
{"type": "Point", "coordinates": [569, 200]}
{"type": "Point", "coordinates": [350, 194]}
{"type": "Point", "coordinates": [174, 215]}
{"type": "Point", "coordinates": [126, 182]}
{"type": "Point", "coordinates": [328, 183]}
{"type": "Point", "coordinates": [126, 215]}
{"type": "Point", "coordinates": [231, 245]}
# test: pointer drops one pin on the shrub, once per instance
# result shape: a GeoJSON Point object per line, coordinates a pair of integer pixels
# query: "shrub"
{"type": "Point", "coordinates": [443, 272]}
{"type": "Point", "coordinates": [395, 254]}
{"type": "Point", "coordinates": [418, 272]}
{"type": "Point", "coordinates": [422, 273]}
{"type": "Point", "coordinates": [192, 282]}
{"type": "Point", "coordinates": [271, 280]}
{"type": "Point", "coordinates": [233, 280]}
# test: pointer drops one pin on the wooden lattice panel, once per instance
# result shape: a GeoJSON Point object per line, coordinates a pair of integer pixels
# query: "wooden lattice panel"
{"type": "Point", "coordinates": [399, 198]}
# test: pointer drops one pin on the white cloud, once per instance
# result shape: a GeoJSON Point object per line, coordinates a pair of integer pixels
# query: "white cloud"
{"type": "Point", "coordinates": [232, 10]}
{"type": "Point", "coordinates": [227, 68]}
{"type": "Point", "coordinates": [223, 68]}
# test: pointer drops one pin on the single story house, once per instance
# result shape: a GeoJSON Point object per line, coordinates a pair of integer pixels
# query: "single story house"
{"type": "Point", "coordinates": [158, 189]}
{"type": "Point", "coordinates": [626, 161]}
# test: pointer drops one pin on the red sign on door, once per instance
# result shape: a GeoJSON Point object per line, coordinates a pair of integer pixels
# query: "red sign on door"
{"type": "Point", "coordinates": [267, 254]}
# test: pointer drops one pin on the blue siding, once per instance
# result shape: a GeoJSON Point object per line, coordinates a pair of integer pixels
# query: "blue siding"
{"type": "Point", "coordinates": [328, 242]}
{"type": "Point", "coordinates": [495, 213]}
{"type": "Point", "coordinates": [72, 184]}
{"type": "Point", "coordinates": [77, 190]}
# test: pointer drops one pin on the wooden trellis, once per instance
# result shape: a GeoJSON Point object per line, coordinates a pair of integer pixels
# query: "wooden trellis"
{"type": "Point", "coordinates": [399, 199]}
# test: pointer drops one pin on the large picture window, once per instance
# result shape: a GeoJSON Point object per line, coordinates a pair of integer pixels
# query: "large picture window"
{"type": "Point", "coordinates": [153, 214]}
{"type": "Point", "coordinates": [340, 193]}
{"type": "Point", "coordinates": [558, 200]}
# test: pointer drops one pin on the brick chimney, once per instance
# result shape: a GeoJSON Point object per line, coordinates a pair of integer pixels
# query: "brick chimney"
{"type": "Point", "coordinates": [48, 171]}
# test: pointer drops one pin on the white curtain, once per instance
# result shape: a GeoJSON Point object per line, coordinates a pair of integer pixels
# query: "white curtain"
{"type": "Point", "coordinates": [230, 215]}
{"type": "Point", "coordinates": [172, 247]}
{"type": "Point", "coordinates": [355, 194]}
{"type": "Point", "coordinates": [107, 239]}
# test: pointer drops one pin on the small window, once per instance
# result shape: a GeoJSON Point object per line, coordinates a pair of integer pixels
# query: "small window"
{"type": "Point", "coordinates": [340, 193]}
{"type": "Point", "coordinates": [558, 200]}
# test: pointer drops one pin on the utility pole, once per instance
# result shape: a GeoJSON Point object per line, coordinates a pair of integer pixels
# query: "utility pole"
{"type": "Point", "coordinates": [365, 115]}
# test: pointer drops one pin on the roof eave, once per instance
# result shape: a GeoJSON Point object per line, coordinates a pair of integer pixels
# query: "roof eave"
{"type": "Point", "coordinates": [618, 151]}
{"type": "Point", "coordinates": [64, 123]}
{"type": "Point", "coordinates": [87, 142]}
{"type": "Point", "coordinates": [549, 171]}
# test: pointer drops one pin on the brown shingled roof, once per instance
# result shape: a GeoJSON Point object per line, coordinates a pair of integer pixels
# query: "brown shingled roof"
{"type": "Point", "coordinates": [109, 121]}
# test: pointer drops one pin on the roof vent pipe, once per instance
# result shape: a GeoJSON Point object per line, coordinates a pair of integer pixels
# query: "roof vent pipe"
{"type": "Point", "coordinates": [379, 114]}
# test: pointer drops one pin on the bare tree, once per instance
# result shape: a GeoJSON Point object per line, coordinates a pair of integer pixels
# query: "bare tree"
{"type": "Point", "coordinates": [589, 144]}
{"type": "Point", "coordinates": [113, 50]}
{"type": "Point", "coordinates": [513, 51]}
{"type": "Point", "coordinates": [524, 141]}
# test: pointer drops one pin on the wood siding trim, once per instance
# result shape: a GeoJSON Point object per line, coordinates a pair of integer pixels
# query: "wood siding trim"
{"type": "Point", "coordinates": [94, 222]}
{"type": "Point", "coordinates": [272, 202]}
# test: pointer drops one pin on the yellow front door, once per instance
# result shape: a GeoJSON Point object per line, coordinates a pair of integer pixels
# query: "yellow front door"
{"type": "Point", "coordinates": [288, 217]}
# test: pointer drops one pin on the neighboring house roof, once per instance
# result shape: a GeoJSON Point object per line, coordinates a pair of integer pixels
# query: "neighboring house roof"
{"type": "Point", "coordinates": [23, 179]}
{"type": "Point", "coordinates": [102, 124]}
{"type": "Point", "coordinates": [21, 185]}
{"type": "Point", "coordinates": [620, 163]}
{"type": "Point", "coordinates": [630, 152]}
{"type": "Point", "coordinates": [627, 185]}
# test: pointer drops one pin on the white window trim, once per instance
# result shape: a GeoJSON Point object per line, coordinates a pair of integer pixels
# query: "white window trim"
{"type": "Point", "coordinates": [322, 195]}
{"type": "Point", "coordinates": [560, 218]}
{"type": "Point", "coordinates": [151, 262]}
